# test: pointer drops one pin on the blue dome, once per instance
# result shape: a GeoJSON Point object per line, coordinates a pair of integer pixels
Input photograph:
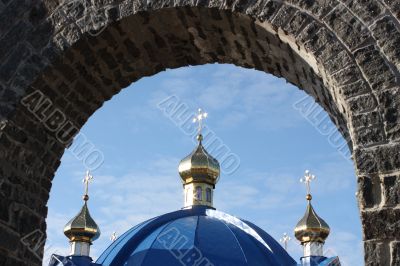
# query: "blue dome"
{"type": "Point", "coordinates": [197, 237]}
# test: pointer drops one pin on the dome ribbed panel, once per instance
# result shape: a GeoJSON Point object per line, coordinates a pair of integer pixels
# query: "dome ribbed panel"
{"type": "Point", "coordinates": [217, 243]}
{"type": "Point", "coordinates": [256, 254]}
{"type": "Point", "coordinates": [108, 255]}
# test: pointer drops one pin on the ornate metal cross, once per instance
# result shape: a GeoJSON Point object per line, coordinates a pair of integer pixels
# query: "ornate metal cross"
{"type": "Point", "coordinates": [308, 177]}
{"type": "Point", "coordinates": [199, 119]}
{"type": "Point", "coordinates": [88, 178]}
{"type": "Point", "coordinates": [285, 240]}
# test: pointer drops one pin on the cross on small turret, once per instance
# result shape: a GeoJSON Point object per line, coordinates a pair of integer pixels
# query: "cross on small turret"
{"type": "Point", "coordinates": [307, 179]}
{"type": "Point", "coordinates": [113, 237]}
{"type": "Point", "coordinates": [199, 119]}
{"type": "Point", "coordinates": [285, 240]}
{"type": "Point", "coordinates": [88, 178]}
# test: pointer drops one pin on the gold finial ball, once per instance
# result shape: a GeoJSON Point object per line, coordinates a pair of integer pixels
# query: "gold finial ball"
{"type": "Point", "coordinates": [85, 197]}
{"type": "Point", "coordinates": [309, 197]}
{"type": "Point", "coordinates": [199, 137]}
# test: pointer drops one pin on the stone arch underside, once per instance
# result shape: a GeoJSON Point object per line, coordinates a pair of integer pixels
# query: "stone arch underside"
{"type": "Point", "coordinates": [343, 53]}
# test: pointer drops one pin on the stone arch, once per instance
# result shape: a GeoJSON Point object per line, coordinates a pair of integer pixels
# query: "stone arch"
{"type": "Point", "coordinates": [61, 60]}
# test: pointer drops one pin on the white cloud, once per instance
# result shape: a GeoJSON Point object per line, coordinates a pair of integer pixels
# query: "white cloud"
{"type": "Point", "coordinates": [264, 98]}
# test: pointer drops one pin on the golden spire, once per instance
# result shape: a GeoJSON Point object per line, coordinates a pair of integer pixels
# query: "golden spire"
{"type": "Point", "coordinates": [311, 228]}
{"type": "Point", "coordinates": [82, 230]}
{"type": "Point", "coordinates": [199, 171]}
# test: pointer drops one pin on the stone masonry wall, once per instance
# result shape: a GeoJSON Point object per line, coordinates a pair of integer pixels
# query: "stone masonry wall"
{"type": "Point", "coordinates": [61, 60]}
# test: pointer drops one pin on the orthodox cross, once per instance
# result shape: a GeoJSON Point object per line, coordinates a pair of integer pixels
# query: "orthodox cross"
{"type": "Point", "coordinates": [113, 237]}
{"type": "Point", "coordinates": [285, 240]}
{"type": "Point", "coordinates": [88, 178]}
{"type": "Point", "coordinates": [199, 119]}
{"type": "Point", "coordinates": [308, 177]}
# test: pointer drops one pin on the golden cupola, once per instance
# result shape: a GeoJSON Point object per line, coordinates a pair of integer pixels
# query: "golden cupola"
{"type": "Point", "coordinates": [199, 166]}
{"type": "Point", "coordinates": [199, 172]}
{"type": "Point", "coordinates": [82, 230]}
{"type": "Point", "coordinates": [311, 230]}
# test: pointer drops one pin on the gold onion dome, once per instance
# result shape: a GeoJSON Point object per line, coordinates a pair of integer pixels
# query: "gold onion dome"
{"type": "Point", "coordinates": [82, 228]}
{"type": "Point", "coordinates": [199, 166]}
{"type": "Point", "coordinates": [311, 228]}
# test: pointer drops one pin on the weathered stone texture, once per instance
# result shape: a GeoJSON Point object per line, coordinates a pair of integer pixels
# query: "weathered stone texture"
{"type": "Point", "coordinates": [382, 224]}
{"type": "Point", "coordinates": [369, 191]}
{"type": "Point", "coordinates": [391, 185]}
{"type": "Point", "coordinates": [388, 37]}
{"type": "Point", "coordinates": [377, 253]}
{"type": "Point", "coordinates": [390, 105]}
{"type": "Point", "coordinates": [395, 250]}
{"type": "Point", "coordinates": [78, 54]}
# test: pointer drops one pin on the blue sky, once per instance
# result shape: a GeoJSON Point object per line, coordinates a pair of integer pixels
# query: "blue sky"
{"type": "Point", "coordinates": [254, 115]}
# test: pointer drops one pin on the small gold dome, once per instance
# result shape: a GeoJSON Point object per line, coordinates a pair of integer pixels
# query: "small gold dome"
{"type": "Point", "coordinates": [199, 166]}
{"type": "Point", "coordinates": [311, 228]}
{"type": "Point", "coordinates": [82, 227]}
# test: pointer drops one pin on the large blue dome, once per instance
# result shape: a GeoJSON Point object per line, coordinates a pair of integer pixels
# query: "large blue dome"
{"type": "Point", "coordinates": [199, 236]}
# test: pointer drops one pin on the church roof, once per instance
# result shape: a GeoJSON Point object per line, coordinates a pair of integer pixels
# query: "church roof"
{"type": "Point", "coordinates": [202, 233]}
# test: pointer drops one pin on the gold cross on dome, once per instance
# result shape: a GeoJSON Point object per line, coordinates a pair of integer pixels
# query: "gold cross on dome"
{"type": "Point", "coordinates": [88, 178]}
{"type": "Point", "coordinates": [285, 240]}
{"type": "Point", "coordinates": [199, 119]}
{"type": "Point", "coordinates": [307, 179]}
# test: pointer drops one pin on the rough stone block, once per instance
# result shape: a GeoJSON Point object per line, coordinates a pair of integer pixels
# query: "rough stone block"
{"type": "Point", "coordinates": [388, 158]}
{"type": "Point", "coordinates": [329, 51]}
{"type": "Point", "coordinates": [369, 191]}
{"type": "Point", "coordinates": [378, 73]}
{"type": "Point", "coordinates": [366, 161]}
{"type": "Point", "coordinates": [354, 89]}
{"type": "Point", "coordinates": [269, 10]}
{"type": "Point", "coordinates": [362, 103]}
{"type": "Point", "coordinates": [9, 240]}
{"type": "Point", "coordinates": [16, 33]}
{"type": "Point", "coordinates": [338, 62]}
{"type": "Point", "coordinates": [347, 27]}
{"type": "Point", "coordinates": [297, 22]}
{"type": "Point", "coordinates": [321, 38]}
{"type": "Point", "coordinates": [384, 158]}
{"type": "Point", "coordinates": [347, 75]}
{"type": "Point", "coordinates": [366, 119]}
{"type": "Point", "coordinates": [12, 13]}
{"type": "Point", "coordinates": [388, 37]}
{"type": "Point", "coordinates": [389, 101]}
{"type": "Point", "coordinates": [317, 7]}
{"type": "Point", "coordinates": [23, 219]}
{"type": "Point", "coordinates": [391, 186]}
{"type": "Point", "coordinates": [376, 253]}
{"type": "Point", "coordinates": [370, 136]}
{"type": "Point", "coordinates": [283, 16]}
{"type": "Point", "coordinates": [368, 10]}
{"type": "Point", "coordinates": [395, 253]}
{"type": "Point", "coordinates": [394, 7]}
{"type": "Point", "coordinates": [381, 224]}
{"type": "Point", "coordinates": [9, 67]}
{"type": "Point", "coordinates": [71, 34]}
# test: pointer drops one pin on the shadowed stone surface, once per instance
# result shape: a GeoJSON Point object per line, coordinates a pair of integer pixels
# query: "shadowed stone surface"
{"type": "Point", "coordinates": [61, 60]}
